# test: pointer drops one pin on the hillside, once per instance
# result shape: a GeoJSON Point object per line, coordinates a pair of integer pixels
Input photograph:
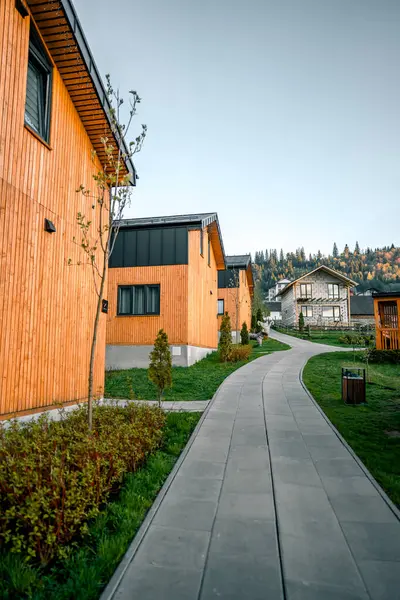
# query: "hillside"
{"type": "Point", "coordinates": [379, 268]}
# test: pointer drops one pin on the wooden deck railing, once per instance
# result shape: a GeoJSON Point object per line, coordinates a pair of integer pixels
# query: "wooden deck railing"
{"type": "Point", "coordinates": [388, 339]}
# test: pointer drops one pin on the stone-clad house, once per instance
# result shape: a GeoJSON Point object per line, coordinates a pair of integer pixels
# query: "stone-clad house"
{"type": "Point", "coordinates": [323, 296]}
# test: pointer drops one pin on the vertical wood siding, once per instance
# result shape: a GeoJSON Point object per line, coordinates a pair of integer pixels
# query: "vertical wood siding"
{"type": "Point", "coordinates": [203, 296]}
{"type": "Point", "coordinates": [229, 295]}
{"type": "Point", "coordinates": [47, 308]}
{"type": "Point", "coordinates": [142, 330]}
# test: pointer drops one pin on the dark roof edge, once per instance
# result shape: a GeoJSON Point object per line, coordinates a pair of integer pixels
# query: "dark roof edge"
{"type": "Point", "coordinates": [386, 294]}
{"type": "Point", "coordinates": [88, 59]}
{"type": "Point", "coordinates": [241, 260]}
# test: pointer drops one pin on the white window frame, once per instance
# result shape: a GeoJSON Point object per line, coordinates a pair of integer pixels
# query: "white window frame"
{"type": "Point", "coordinates": [218, 306]}
{"type": "Point", "coordinates": [332, 294]}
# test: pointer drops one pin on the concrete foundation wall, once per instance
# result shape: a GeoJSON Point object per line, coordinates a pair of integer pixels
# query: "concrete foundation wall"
{"type": "Point", "coordinates": [120, 357]}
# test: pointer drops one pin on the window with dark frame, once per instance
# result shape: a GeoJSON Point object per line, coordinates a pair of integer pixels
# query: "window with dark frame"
{"type": "Point", "coordinates": [221, 306]}
{"type": "Point", "coordinates": [331, 312]}
{"type": "Point", "coordinates": [305, 290]}
{"type": "Point", "coordinates": [307, 311]}
{"type": "Point", "coordinates": [333, 290]}
{"type": "Point", "coordinates": [38, 88]}
{"type": "Point", "coordinates": [136, 300]}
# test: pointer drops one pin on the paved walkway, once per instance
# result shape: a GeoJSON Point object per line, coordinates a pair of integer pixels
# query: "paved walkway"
{"type": "Point", "coordinates": [267, 504]}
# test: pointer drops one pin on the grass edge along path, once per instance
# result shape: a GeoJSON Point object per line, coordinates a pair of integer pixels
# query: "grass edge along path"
{"type": "Point", "coordinates": [198, 382]}
{"type": "Point", "coordinates": [372, 430]}
{"type": "Point", "coordinates": [92, 563]}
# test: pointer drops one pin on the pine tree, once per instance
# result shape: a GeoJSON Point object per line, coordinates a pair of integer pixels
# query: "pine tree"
{"type": "Point", "coordinates": [335, 251]}
{"type": "Point", "coordinates": [253, 322]}
{"type": "Point", "coordinates": [319, 255]}
{"type": "Point", "coordinates": [301, 322]}
{"type": "Point", "coordinates": [259, 318]}
{"type": "Point", "coordinates": [244, 334]}
{"type": "Point", "coordinates": [302, 254]}
{"type": "Point", "coordinates": [281, 258]}
{"type": "Point", "coordinates": [225, 340]}
{"type": "Point", "coordinates": [160, 368]}
{"type": "Point", "coordinates": [357, 249]}
{"type": "Point", "coordinates": [346, 251]}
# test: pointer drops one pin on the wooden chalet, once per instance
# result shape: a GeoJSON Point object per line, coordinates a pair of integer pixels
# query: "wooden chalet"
{"type": "Point", "coordinates": [54, 109]}
{"type": "Point", "coordinates": [163, 275]}
{"type": "Point", "coordinates": [235, 293]}
{"type": "Point", "coordinates": [387, 320]}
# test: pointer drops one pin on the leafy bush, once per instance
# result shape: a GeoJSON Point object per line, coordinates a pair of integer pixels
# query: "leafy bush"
{"type": "Point", "coordinates": [55, 475]}
{"type": "Point", "coordinates": [225, 340]}
{"type": "Point", "coordinates": [239, 352]}
{"type": "Point", "coordinates": [357, 339]}
{"type": "Point", "coordinates": [244, 334]}
{"type": "Point", "coordinates": [384, 356]}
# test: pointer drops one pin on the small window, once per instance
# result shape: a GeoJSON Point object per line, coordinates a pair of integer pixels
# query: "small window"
{"type": "Point", "coordinates": [139, 300]}
{"type": "Point", "coordinates": [209, 251]}
{"type": "Point", "coordinates": [221, 307]}
{"type": "Point", "coordinates": [38, 88]}
{"type": "Point", "coordinates": [305, 290]}
{"type": "Point", "coordinates": [333, 290]}
{"type": "Point", "coordinates": [331, 312]}
{"type": "Point", "coordinates": [201, 242]}
{"type": "Point", "coordinates": [307, 311]}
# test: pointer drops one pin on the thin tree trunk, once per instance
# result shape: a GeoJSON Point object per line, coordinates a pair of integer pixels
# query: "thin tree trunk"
{"type": "Point", "coordinates": [94, 342]}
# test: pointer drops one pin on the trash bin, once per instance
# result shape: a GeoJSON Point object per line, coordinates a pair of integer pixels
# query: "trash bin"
{"type": "Point", "coordinates": [353, 385]}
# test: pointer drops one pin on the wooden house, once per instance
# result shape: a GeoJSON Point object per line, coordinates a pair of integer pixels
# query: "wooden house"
{"type": "Point", "coordinates": [235, 293]}
{"type": "Point", "coordinates": [163, 275]}
{"type": "Point", "coordinates": [53, 111]}
{"type": "Point", "coordinates": [387, 320]}
{"type": "Point", "coordinates": [322, 295]}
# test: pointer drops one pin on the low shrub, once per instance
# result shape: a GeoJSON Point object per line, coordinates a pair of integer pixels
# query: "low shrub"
{"type": "Point", "coordinates": [239, 352]}
{"type": "Point", "coordinates": [54, 475]}
{"type": "Point", "coordinates": [384, 356]}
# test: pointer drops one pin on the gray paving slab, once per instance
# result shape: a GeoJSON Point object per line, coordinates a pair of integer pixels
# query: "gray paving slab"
{"type": "Point", "coordinates": [268, 502]}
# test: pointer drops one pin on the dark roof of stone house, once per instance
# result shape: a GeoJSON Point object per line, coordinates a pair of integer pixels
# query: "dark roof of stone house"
{"type": "Point", "coordinates": [361, 305]}
{"type": "Point", "coordinates": [273, 306]}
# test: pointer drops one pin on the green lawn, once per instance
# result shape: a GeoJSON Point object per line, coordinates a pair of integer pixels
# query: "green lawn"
{"type": "Point", "coordinates": [94, 559]}
{"type": "Point", "coordinates": [198, 382]}
{"type": "Point", "coordinates": [329, 337]}
{"type": "Point", "coordinates": [370, 429]}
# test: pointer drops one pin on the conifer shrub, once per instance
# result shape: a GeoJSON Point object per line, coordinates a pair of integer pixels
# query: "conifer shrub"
{"type": "Point", "coordinates": [160, 369]}
{"type": "Point", "coordinates": [253, 322]}
{"type": "Point", "coordinates": [55, 475]}
{"type": "Point", "coordinates": [259, 319]}
{"type": "Point", "coordinates": [244, 335]}
{"type": "Point", "coordinates": [225, 340]}
{"type": "Point", "coordinates": [239, 352]}
{"type": "Point", "coordinates": [301, 322]}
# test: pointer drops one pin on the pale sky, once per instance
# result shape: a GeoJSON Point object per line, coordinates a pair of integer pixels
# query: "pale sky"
{"type": "Point", "coordinates": [281, 115]}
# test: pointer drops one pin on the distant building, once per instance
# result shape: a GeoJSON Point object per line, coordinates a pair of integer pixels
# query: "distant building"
{"type": "Point", "coordinates": [273, 292]}
{"type": "Point", "coordinates": [387, 320]}
{"type": "Point", "coordinates": [235, 293]}
{"type": "Point", "coordinates": [323, 296]}
{"type": "Point", "coordinates": [362, 309]}
{"type": "Point", "coordinates": [275, 310]}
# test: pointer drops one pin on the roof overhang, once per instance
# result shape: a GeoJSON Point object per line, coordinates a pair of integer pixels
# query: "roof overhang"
{"type": "Point", "coordinates": [349, 282]}
{"type": "Point", "coordinates": [59, 26]}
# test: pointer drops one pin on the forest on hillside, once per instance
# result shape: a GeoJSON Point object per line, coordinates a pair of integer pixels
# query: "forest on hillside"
{"type": "Point", "coordinates": [378, 268]}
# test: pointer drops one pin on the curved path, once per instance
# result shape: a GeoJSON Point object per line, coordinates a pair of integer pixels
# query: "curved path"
{"type": "Point", "coordinates": [267, 503]}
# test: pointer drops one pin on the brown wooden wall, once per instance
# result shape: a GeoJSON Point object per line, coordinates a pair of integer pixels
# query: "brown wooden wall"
{"type": "Point", "coordinates": [142, 330]}
{"type": "Point", "coordinates": [203, 323]}
{"type": "Point", "coordinates": [231, 302]}
{"type": "Point", "coordinates": [387, 323]}
{"type": "Point", "coordinates": [46, 307]}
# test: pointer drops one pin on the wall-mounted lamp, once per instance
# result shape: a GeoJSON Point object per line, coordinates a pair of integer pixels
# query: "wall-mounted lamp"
{"type": "Point", "coordinates": [49, 226]}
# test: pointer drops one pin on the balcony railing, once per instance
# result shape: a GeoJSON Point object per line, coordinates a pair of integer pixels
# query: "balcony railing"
{"type": "Point", "coordinates": [388, 339]}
